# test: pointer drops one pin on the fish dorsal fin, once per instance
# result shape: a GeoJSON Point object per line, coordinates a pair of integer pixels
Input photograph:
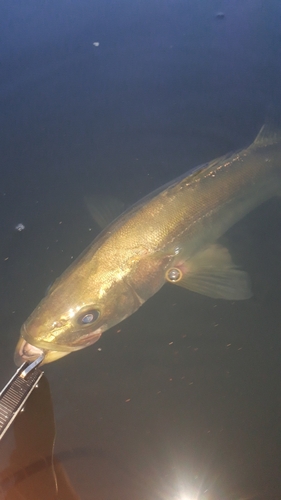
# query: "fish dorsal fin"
{"type": "Point", "coordinates": [267, 135]}
{"type": "Point", "coordinates": [104, 209]}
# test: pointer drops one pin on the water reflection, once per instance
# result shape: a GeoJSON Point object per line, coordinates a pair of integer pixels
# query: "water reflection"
{"type": "Point", "coordinates": [34, 472]}
{"type": "Point", "coordinates": [169, 87]}
{"type": "Point", "coordinates": [171, 403]}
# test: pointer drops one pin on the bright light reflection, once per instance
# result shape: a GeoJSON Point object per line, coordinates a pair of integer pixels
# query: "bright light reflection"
{"type": "Point", "coordinates": [71, 313]}
{"type": "Point", "coordinates": [186, 496]}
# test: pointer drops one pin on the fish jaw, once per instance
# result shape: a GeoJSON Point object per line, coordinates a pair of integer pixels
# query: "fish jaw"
{"type": "Point", "coordinates": [26, 352]}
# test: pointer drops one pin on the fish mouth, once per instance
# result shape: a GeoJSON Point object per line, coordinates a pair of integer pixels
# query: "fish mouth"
{"type": "Point", "coordinates": [26, 352]}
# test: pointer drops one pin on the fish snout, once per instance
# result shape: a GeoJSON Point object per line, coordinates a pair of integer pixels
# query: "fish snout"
{"type": "Point", "coordinates": [26, 352]}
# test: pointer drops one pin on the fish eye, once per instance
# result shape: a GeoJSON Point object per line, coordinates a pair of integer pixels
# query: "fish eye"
{"type": "Point", "coordinates": [88, 317]}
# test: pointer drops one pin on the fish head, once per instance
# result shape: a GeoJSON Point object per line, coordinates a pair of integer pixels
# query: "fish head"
{"type": "Point", "coordinates": [74, 314]}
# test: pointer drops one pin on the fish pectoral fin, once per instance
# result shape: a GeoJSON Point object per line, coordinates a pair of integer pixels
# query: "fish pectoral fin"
{"type": "Point", "coordinates": [230, 285]}
{"type": "Point", "coordinates": [212, 273]}
{"type": "Point", "coordinates": [104, 209]}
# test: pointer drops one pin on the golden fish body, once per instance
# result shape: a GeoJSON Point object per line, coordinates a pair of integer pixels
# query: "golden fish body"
{"type": "Point", "coordinates": [169, 236]}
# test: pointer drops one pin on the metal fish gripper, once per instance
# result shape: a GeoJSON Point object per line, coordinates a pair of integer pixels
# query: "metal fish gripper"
{"type": "Point", "coordinates": [16, 392]}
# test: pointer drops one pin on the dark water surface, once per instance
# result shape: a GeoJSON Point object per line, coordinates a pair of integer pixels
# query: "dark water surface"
{"type": "Point", "coordinates": [183, 396]}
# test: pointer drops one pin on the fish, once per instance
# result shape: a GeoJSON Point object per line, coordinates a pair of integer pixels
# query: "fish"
{"type": "Point", "coordinates": [170, 236]}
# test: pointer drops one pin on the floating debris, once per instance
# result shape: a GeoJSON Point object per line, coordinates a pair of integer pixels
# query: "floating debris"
{"type": "Point", "coordinates": [96, 44]}
{"type": "Point", "coordinates": [20, 227]}
{"type": "Point", "coordinates": [220, 15]}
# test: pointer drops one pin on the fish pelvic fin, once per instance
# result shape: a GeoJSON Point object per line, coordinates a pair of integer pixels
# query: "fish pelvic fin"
{"type": "Point", "coordinates": [268, 135]}
{"type": "Point", "coordinates": [212, 272]}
